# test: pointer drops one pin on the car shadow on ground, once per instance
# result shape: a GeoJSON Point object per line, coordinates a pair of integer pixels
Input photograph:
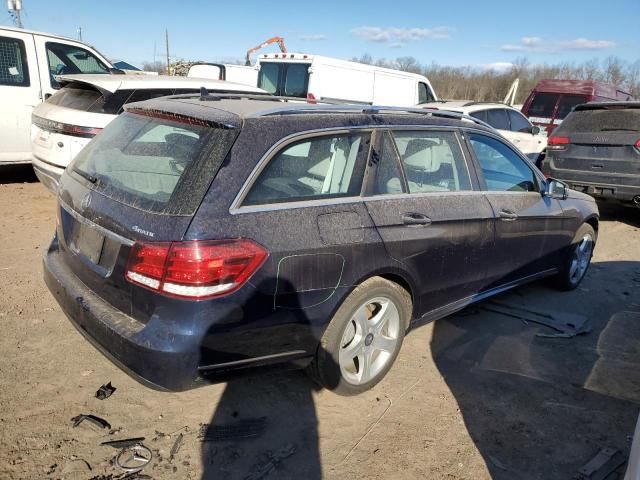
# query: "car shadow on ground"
{"type": "Point", "coordinates": [265, 424]}
{"type": "Point", "coordinates": [22, 173]}
{"type": "Point", "coordinates": [540, 408]}
{"type": "Point", "coordinates": [620, 213]}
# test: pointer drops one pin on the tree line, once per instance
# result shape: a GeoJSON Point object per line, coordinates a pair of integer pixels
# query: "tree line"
{"type": "Point", "coordinates": [487, 84]}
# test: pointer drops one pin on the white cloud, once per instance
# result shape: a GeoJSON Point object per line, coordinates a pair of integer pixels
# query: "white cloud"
{"type": "Point", "coordinates": [396, 45]}
{"type": "Point", "coordinates": [537, 44]}
{"type": "Point", "coordinates": [397, 35]}
{"type": "Point", "coordinates": [313, 37]}
{"type": "Point", "coordinates": [585, 44]}
{"type": "Point", "coordinates": [497, 66]}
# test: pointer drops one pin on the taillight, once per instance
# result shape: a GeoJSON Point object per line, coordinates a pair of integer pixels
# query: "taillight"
{"type": "Point", "coordinates": [637, 144]}
{"type": "Point", "coordinates": [557, 143]}
{"type": "Point", "coordinates": [311, 98]}
{"type": "Point", "coordinates": [194, 270]}
{"type": "Point", "coordinates": [64, 128]}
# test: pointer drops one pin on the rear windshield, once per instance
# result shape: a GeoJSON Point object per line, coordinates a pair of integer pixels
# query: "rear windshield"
{"type": "Point", "coordinates": [157, 165]}
{"type": "Point", "coordinates": [288, 79]}
{"type": "Point", "coordinates": [602, 121]}
{"type": "Point", "coordinates": [88, 99]}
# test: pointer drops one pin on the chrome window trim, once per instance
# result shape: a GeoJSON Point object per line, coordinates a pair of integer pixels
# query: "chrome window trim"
{"type": "Point", "coordinates": [236, 205]}
{"type": "Point", "coordinates": [403, 196]}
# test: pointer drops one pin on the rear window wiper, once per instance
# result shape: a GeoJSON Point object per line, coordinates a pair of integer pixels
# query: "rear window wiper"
{"type": "Point", "coordinates": [618, 130]}
{"type": "Point", "coordinates": [85, 175]}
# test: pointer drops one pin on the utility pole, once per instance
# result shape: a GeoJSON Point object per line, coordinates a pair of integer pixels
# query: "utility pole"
{"type": "Point", "coordinates": [15, 7]}
{"type": "Point", "coordinates": [80, 33]}
{"type": "Point", "coordinates": [166, 35]}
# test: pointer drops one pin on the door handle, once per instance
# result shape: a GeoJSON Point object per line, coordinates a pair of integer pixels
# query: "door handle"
{"type": "Point", "coordinates": [415, 219]}
{"type": "Point", "coordinates": [507, 216]}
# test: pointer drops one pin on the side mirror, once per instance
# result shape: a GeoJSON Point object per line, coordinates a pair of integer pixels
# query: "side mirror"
{"type": "Point", "coordinates": [535, 130]}
{"type": "Point", "coordinates": [556, 189]}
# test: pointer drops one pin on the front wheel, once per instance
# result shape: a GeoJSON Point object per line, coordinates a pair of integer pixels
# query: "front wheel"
{"type": "Point", "coordinates": [363, 338]}
{"type": "Point", "coordinates": [578, 259]}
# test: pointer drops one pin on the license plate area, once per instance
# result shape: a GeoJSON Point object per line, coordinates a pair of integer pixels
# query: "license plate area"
{"type": "Point", "coordinates": [87, 241]}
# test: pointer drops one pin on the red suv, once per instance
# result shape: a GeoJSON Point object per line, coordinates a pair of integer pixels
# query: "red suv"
{"type": "Point", "coordinates": [552, 100]}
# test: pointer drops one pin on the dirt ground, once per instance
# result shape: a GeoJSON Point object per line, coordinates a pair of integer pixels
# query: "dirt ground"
{"type": "Point", "coordinates": [475, 396]}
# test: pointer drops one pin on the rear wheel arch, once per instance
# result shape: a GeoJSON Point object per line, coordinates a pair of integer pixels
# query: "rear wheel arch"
{"type": "Point", "coordinates": [593, 221]}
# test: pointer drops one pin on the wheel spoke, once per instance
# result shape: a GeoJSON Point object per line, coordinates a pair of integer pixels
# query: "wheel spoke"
{"type": "Point", "coordinates": [386, 344]}
{"type": "Point", "coordinates": [354, 349]}
{"type": "Point", "coordinates": [364, 365]}
{"type": "Point", "coordinates": [362, 321]}
{"type": "Point", "coordinates": [573, 268]}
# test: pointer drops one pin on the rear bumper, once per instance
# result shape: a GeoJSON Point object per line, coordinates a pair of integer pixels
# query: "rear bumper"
{"type": "Point", "coordinates": [619, 193]}
{"type": "Point", "coordinates": [48, 174]}
{"type": "Point", "coordinates": [116, 335]}
{"type": "Point", "coordinates": [158, 354]}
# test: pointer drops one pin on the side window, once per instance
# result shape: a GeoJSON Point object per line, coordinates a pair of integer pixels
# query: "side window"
{"type": "Point", "coordinates": [497, 118]}
{"type": "Point", "coordinates": [424, 93]}
{"type": "Point", "coordinates": [432, 161]}
{"type": "Point", "coordinates": [480, 115]}
{"type": "Point", "coordinates": [502, 168]}
{"type": "Point", "coordinates": [388, 178]}
{"type": "Point", "coordinates": [268, 77]}
{"type": "Point", "coordinates": [68, 59]}
{"type": "Point", "coordinates": [14, 70]}
{"type": "Point", "coordinates": [315, 168]}
{"type": "Point", "coordinates": [518, 122]}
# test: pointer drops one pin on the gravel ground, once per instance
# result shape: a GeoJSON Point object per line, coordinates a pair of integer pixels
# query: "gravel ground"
{"type": "Point", "coordinates": [475, 396]}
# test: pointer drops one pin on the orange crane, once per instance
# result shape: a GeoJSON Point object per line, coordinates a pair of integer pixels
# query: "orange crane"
{"type": "Point", "coordinates": [278, 40]}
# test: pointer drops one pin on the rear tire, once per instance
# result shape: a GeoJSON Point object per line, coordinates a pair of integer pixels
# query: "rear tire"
{"type": "Point", "coordinates": [363, 338]}
{"type": "Point", "coordinates": [577, 260]}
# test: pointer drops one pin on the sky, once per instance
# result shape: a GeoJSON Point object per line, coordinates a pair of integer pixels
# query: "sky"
{"type": "Point", "coordinates": [479, 33]}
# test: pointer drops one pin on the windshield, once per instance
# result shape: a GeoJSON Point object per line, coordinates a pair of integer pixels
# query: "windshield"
{"type": "Point", "coordinates": [69, 59]}
{"type": "Point", "coordinates": [153, 164]}
{"type": "Point", "coordinates": [543, 105]}
{"type": "Point", "coordinates": [567, 102]}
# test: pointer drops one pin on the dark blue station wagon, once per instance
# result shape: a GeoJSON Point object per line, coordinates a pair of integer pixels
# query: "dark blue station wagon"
{"type": "Point", "coordinates": [200, 236]}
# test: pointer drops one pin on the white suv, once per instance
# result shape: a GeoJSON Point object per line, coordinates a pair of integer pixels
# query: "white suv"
{"type": "Point", "coordinates": [511, 124]}
{"type": "Point", "coordinates": [68, 120]}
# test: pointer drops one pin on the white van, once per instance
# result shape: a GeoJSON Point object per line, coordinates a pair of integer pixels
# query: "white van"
{"type": "Point", "coordinates": [325, 78]}
{"type": "Point", "coordinates": [246, 75]}
{"type": "Point", "coordinates": [28, 62]}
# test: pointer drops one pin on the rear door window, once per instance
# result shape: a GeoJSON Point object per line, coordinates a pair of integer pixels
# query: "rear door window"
{"type": "Point", "coordinates": [567, 102]}
{"type": "Point", "coordinates": [502, 168]}
{"type": "Point", "coordinates": [432, 161]}
{"type": "Point", "coordinates": [481, 115]}
{"type": "Point", "coordinates": [543, 105]}
{"type": "Point", "coordinates": [321, 167]}
{"type": "Point", "coordinates": [287, 79]}
{"type": "Point", "coordinates": [14, 70]}
{"type": "Point", "coordinates": [518, 122]}
{"type": "Point", "coordinates": [158, 165]}
{"type": "Point", "coordinates": [498, 119]}
{"type": "Point", "coordinates": [66, 59]}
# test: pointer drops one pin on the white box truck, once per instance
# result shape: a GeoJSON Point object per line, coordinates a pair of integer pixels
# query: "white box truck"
{"type": "Point", "coordinates": [245, 75]}
{"type": "Point", "coordinates": [325, 78]}
{"type": "Point", "coordinates": [28, 63]}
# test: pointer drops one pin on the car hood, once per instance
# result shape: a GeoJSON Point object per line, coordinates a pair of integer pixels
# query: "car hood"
{"type": "Point", "coordinates": [575, 195]}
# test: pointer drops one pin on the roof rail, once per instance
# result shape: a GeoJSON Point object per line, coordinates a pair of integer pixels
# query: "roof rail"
{"type": "Point", "coordinates": [304, 106]}
{"type": "Point", "coordinates": [205, 95]}
{"type": "Point", "coordinates": [370, 110]}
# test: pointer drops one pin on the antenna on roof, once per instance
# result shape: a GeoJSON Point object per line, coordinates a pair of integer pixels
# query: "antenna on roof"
{"type": "Point", "coordinates": [204, 93]}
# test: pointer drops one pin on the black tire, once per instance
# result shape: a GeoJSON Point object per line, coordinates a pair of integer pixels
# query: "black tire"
{"type": "Point", "coordinates": [566, 279]}
{"type": "Point", "coordinates": [325, 368]}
